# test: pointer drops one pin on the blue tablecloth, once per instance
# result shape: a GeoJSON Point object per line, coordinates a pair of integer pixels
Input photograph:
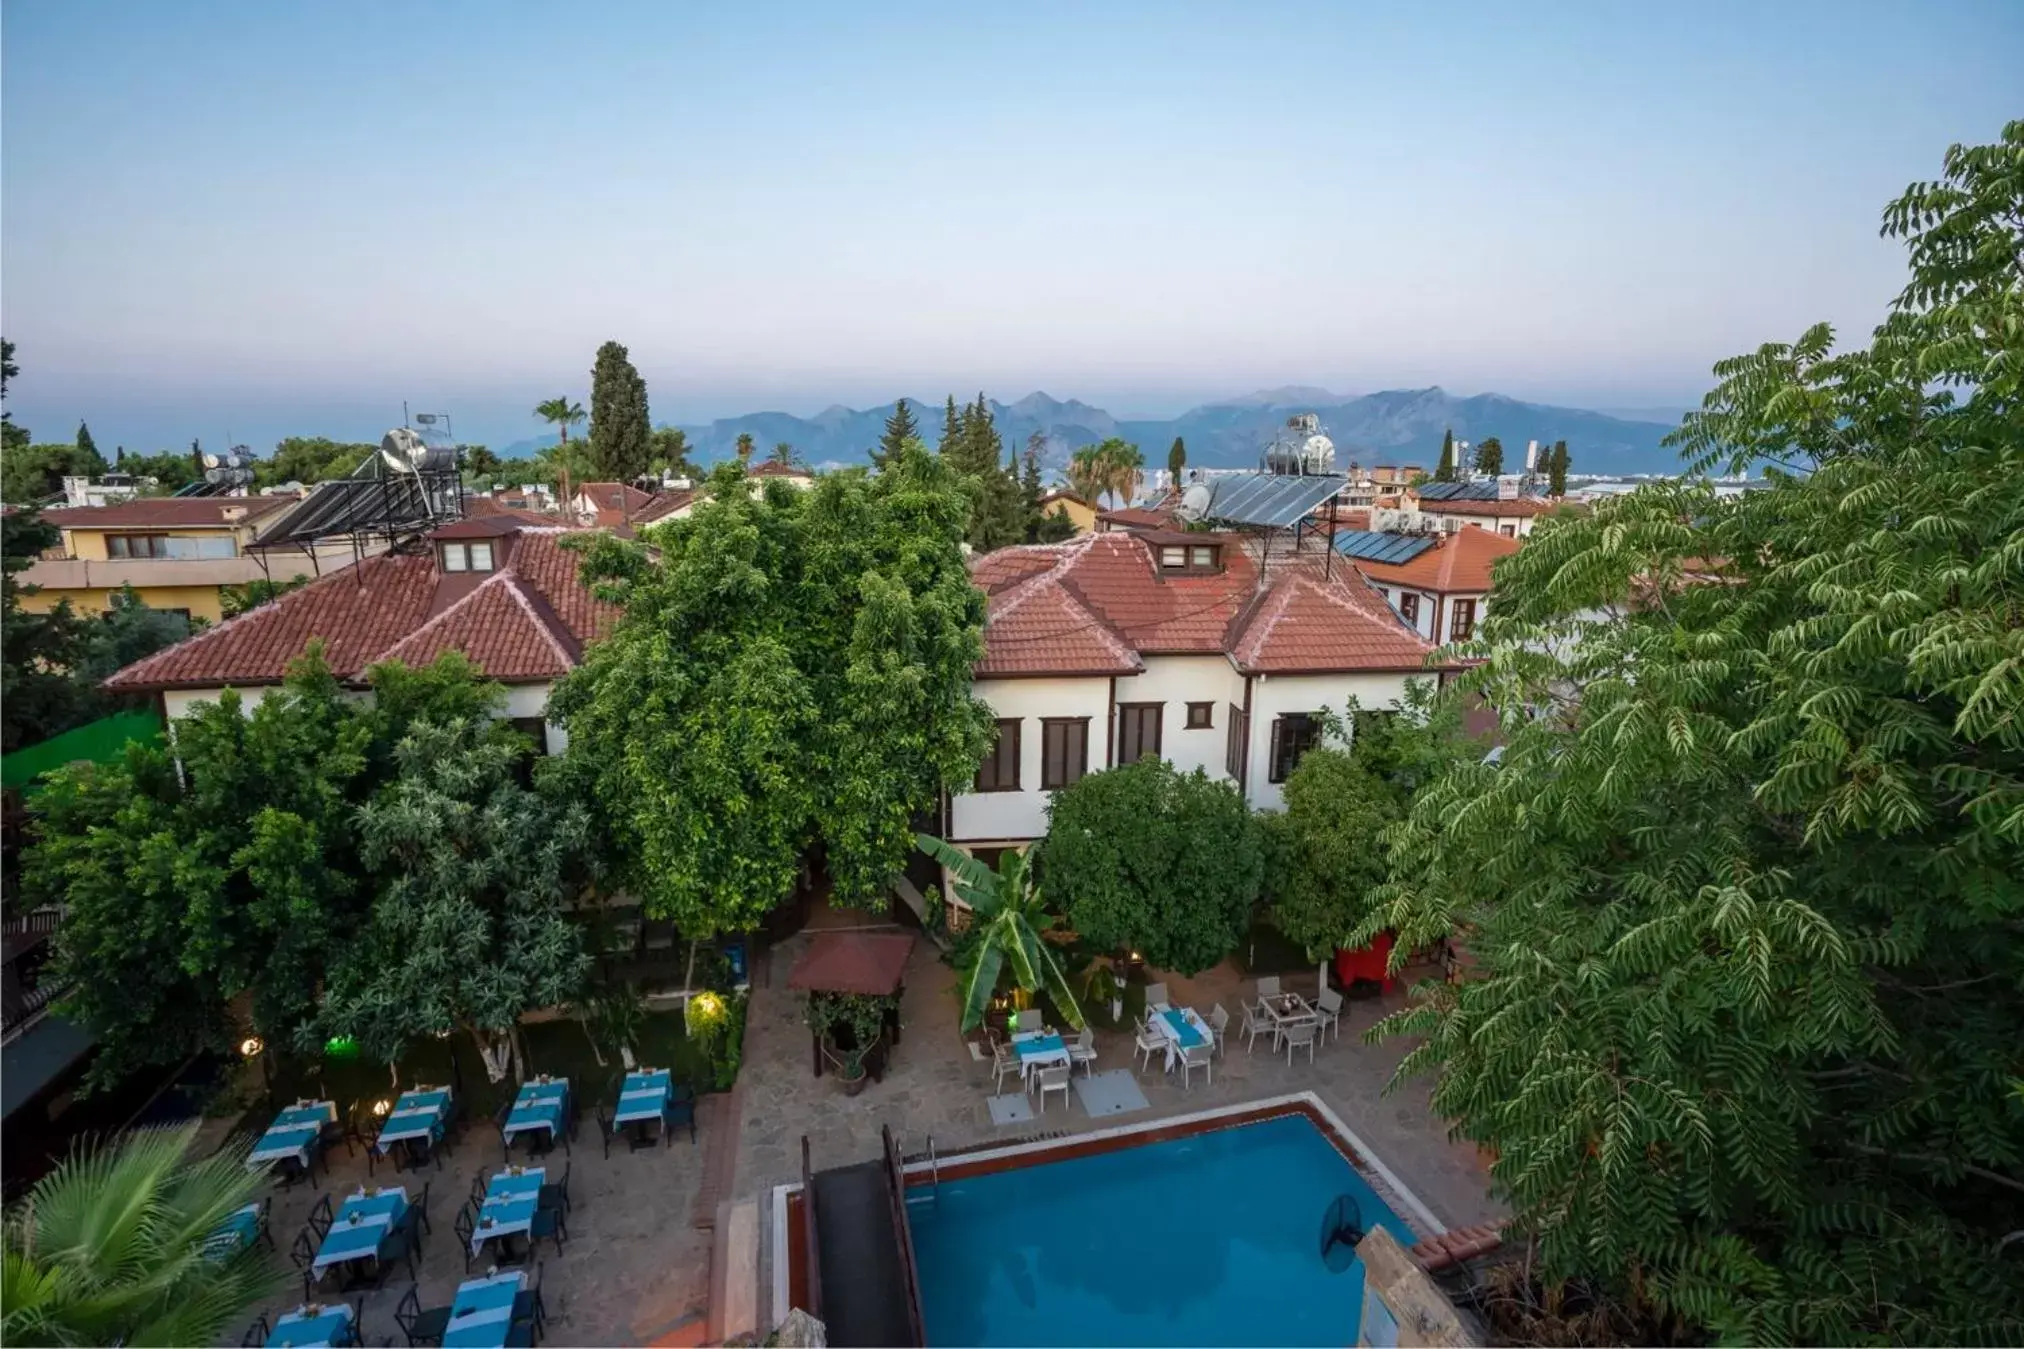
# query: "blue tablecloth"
{"type": "Point", "coordinates": [540, 1105]}
{"type": "Point", "coordinates": [417, 1114]}
{"type": "Point", "coordinates": [482, 1312]}
{"type": "Point", "coordinates": [240, 1230]}
{"type": "Point", "coordinates": [644, 1096]}
{"type": "Point", "coordinates": [332, 1325]}
{"type": "Point", "coordinates": [293, 1132]}
{"type": "Point", "coordinates": [363, 1221]}
{"type": "Point", "coordinates": [1040, 1046]}
{"type": "Point", "coordinates": [510, 1201]}
{"type": "Point", "coordinates": [1184, 1034]}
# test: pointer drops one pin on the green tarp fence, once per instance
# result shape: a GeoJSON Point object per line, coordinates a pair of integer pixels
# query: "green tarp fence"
{"type": "Point", "coordinates": [100, 741]}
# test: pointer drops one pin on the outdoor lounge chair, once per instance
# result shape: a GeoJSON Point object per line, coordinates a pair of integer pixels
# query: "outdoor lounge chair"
{"type": "Point", "coordinates": [1082, 1050]}
{"type": "Point", "coordinates": [1156, 997]}
{"type": "Point", "coordinates": [1150, 1042]}
{"type": "Point", "coordinates": [1201, 1056]}
{"type": "Point", "coordinates": [1328, 1007]}
{"type": "Point", "coordinates": [1219, 1022]}
{"type": "Point", "coordinates": [1054, 1079]}
{"type": "Point", "coordinates": [1268, 987]}
{"type": "Point", "coordinates": [1297, 1034]}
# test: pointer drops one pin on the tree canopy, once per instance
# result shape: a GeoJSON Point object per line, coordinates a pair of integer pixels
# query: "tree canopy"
{"type": "Point", "coordinates": [1445, 470]}
{"type": "Point", "coordinates": [1490, 456]}
{"type": "Point", "coordinates": [1157, 861]}
{"type": "Point", "coordinates": [901, 427]}
{"type": "Point", "coordinates": [792, 669]}
{"type": "Point", "coordinates": [1745, 892]}
{"type": "Point", "coordinates": [621, 431]}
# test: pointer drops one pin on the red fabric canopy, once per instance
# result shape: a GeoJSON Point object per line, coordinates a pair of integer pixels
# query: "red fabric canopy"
{"type": "Point", "coordinates": [872, 963]}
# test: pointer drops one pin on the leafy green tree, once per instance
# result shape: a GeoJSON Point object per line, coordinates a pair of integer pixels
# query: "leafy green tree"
{"type": "Point", "coordinates": [952, 431]}
{"type": "Point", "coordinates": [244, 599]}
{"type": "Point", "coordinates": [171, 469]}
{"type": "Point", "coordinates": [1325, 853]}
{"type": "Point", "coordinates": [561, 413]}
{"type": "Point", "coordinates": [480, 464]}
{"type": "Point", "coordinates": [1745, 891]}
{"type": "Point", "coordinates": [997, 512]}
{"type": "Point", "coordinates": [1556, 469]}
{"type": "Point", "coordinates": [621, 431]}
{"type": "Point", "coordinates": [1149, 859]}
{"type": "Point", "coordinates": [127, 631]}
{"type": "Point", "coordinates": [1445, 470]}
{"type": "Point", "coordinates": [12, 437]}
{"type": "Point", "coordinates": [35, 473]}
{"type": "Point", "coordinates": [311, 459]}
{"type": "Point", "coordinates": [567, 464]}
{"type": "Point", "coordinates": [792, 667]}
{"type": "Point", "coordinates": [468, 929]}
{"type": "Point", "coordinates": [38, 695]}
{"type": "Point", "coordinates": [1008, 934]}
{"type": "Point", "coordinates": [670, 453]}
{"type": "Point", "coordinates": [901, 427]}
{"type": "Point", "coordinates": [86, 447]}
{"type": "Point", "coordinates": [110, 1248]}
{"type": "Point", "coordinates": [1490, 456]}
{"type": "Point", "coordinates": [1177, 462]}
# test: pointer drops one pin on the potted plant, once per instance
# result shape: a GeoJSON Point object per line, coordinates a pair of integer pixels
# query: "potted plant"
{"type": "Point", "coordinates": [851, 1026]}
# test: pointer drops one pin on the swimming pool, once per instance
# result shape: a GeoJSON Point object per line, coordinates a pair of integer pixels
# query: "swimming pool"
{"type": "Point", "coordinates": [1210, 1238]}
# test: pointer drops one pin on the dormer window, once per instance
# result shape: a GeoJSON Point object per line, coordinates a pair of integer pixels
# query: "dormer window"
{"type": "Point", "coordinates": [1191, 559]}
{"type": "Point", "coordinates": [474, 556]}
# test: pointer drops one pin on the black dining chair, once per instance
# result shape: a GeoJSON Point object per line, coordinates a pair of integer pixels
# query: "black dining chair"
{"type": "Point", "coordinates": [465, 1225]}
{"type": "Point", "coordinates": [420, 1208]}
{"type": "Point", "coordinates": [604, 1127]}
{"type": "Point", "coordinates": [266, 1222]}
{"type": "Point", "coordinates": [357, 1324]}
{"type": "Point", "coordinates": [681, 1110]}
{"type": "Point", "coordinates": [478, 1186]}
{"type": "Point", "coordinates": [320, 1218]}
{"type": "Point", "coordinates": [548, 1222]}
{"type": "Point", "coordinates": [258, 1333]}
{"type": "Point", "coordinates": [421, 1325]}
{"type": "Point", "coordinates": [402, 1242]}
{"type": "Point", "coordinates": [303, 1251]}
{"type": "Point", "coordinates": [556, 1196]}
{"type": "Point", "coordinates": [528, 1308]}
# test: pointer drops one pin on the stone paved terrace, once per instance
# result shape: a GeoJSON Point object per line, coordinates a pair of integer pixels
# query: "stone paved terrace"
{"type": "Point", "coordinates": [933, 1087]}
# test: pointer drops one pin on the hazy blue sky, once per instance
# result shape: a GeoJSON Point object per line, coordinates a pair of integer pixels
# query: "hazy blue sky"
{"type": "Point", "coordinates": [257, 218]}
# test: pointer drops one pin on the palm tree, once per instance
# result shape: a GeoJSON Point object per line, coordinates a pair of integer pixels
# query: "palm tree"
{"type": "Point", "coordinates": [1127, 469]}
{"type": "Point", "coordinates": [110, 1248]}
{"type": "Point", "coordinates": [1006, 907]}
{"type": "Point", "coordinates": [563, 413]}
{"type": "Point", "coordinates": [745, 447]}
{"type": "Point", "coordinates": [783, 455]}
{"type": "Point", "coordinates": [1087, 474]}
{"type": "Point", "coordinates": [568, 460]}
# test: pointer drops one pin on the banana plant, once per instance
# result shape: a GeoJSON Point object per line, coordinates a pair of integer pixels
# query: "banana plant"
{"type": "Point", "coordinates": [1007, 909]}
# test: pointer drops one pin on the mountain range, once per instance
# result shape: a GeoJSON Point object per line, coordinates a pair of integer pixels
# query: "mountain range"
{"type": "Point", "coordinates": [1399, 426]}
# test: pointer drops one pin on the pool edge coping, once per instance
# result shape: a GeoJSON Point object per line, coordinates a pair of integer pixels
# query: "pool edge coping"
{"type": "Point", "coordinates": [1390, 1187]}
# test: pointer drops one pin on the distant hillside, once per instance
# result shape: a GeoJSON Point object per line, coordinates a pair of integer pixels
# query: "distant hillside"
{"type": "Point", "coordinates": [1393, 426]}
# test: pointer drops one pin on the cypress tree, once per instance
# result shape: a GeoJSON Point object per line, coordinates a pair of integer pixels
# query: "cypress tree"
{"type": "Point", "coordinates": [84, 442]}
{"type": "Point", "coordinates": [952, 430]}
{"type": "Point", "coordinates": [900, 428]}
{"type": "Point", "coordinates": [1556, 469]}
{"type": "Point", "coordinates": [1490, 456]}
{"type": "Point", "coordinates": [621, 433]}
{"type": "Point", "coordinates": [1177, 460]}
{"type": "Point", "coordinates": [1445, 472]}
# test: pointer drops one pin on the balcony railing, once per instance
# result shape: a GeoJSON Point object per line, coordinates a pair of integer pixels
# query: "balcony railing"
{"type": "Point", "coordinates": [27, 987]}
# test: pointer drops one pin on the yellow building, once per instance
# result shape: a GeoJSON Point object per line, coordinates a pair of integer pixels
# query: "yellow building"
{"type": "Point", "coordinates": [176, 552]}
{"type": "Point", "coordinates": [1080, 513]}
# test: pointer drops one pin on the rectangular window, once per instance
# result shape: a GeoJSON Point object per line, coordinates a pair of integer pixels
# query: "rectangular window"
{"type": "Point", "coordinates": [1240, 735]}
{"type": "Point", "coordinates": [1000, 770]}
{"type": "Point", "coordinates": [126, 546]}
{"type": "Point", "coordinates": [454, 558]}
{"type": "Point", "coordinates": [1508, 531]}
{"type": "Point", "coordinates": [481, 557]}
{"type": "Point", "coordinates": [1138, 731]}
{"type": "Point", "coordinates": [1463, 624]}
{"type": "Point", "coordinates": [1292, 736]}
{"type": "Point", "coordinates": [1064, 751]}
{"type": "Point", "coordinates": [1409, 607]}
{"type": "Point", "coordinates": [1202, 558]}
{"type": "Point", "coordinates": [1201, 716]}
{"type": "Point", "coordinates": [1173, 559]}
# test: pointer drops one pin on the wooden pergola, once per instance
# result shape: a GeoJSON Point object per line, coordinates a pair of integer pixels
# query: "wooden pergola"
{"type": "Point", "coordinates": [873, 964]}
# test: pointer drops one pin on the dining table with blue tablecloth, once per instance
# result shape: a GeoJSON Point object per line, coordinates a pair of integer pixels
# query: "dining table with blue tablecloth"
{"type": "Point", "coordinates": [420, 1113]}
{"type": "Point", "coordinates": [1183, 1029]}
{"type": "Point", "coordinates": [293, 1133]}
{"type": "Point", "coordinates": [482, 1312]}
{"type": "Point", "coordinates": [1039, 1049]}
{"type": "Point", "coordinates": [543, 1103]}
{"type": "Point", "coordinates": [645, 1094]}
{"type": "Point", "coordinates": [240, 1229]}
{"type": "Point", "coordinates": [313, 1324]}
{"type": "Point", "coordinates": [510, 1200]}
{"type": "Point", "coordinates": [365, 1219]}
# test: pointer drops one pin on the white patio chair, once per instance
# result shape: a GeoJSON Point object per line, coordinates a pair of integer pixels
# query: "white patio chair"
{"type": "Point", "coordinates": [1297, 1034]}
{"type": "Point", "coordinates": [1328, 1007]}
{"type": "Point", "coordinates": [1268, 987]}
{"type": "Point", "coordinates": [1256, 1023]}
{"type": "Point", "coordinates": [1004, 1062]}
{"type": "Point", "coordinates": [1156, 996]}
{"type": "Point", "coordinates": [1150, 1042]}
{"type": "Point", "coordinates": [1054, 1079]}
{"type": "Point", "coordinates": [1028, 1020]}
{"type": "Point", "coordinates": [1201, 1056]}
{"type": "Point", "coordinates": [1082, 1050]}
{"type": "Point", "coordinates": [1219, 1022]}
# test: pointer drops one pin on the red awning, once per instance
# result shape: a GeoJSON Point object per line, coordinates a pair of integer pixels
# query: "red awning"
{"type": "Point", "coordinates": [872, 963]}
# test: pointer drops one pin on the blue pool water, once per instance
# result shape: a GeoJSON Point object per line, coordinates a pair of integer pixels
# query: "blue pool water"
{"type": "Point", "coordinates": [1213, 1239]}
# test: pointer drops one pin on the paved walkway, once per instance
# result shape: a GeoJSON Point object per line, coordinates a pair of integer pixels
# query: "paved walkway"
{"type": "Point", "coordinates": [934, 1087]}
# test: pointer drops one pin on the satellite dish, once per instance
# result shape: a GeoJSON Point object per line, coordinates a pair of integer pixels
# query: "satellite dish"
{"type": "Point", "coordinates": [1341, 1229]}
{"type": "Point", "coordinates": [403, 450]}
{"type": "Point", "coordinates": [1194, 502]}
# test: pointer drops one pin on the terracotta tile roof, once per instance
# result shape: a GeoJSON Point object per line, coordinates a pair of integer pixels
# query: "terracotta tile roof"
{"type": "Point", "coordinates": [166, 512]}
{"type": "Point", "coordinates": [769, 469]}
{"type": "Point", "coordinates": [614, 503]}
{"type": "Point", "coordinates": [1137, 517]}
{"type": "Point", "coordinates": [663, 505]}
{"type": "Point", "coordinates": [1458, 564]}
{"type": "Point", "coordinates": [1459, 506]}
{"type": "Point", "coordinates": [485, 508]}
{"type": "Point", "coordinates": [1098, 605]}
{"type": "Point", "coordinates": [1063, 494]}
{"type": "Point", "coordinates": [527, 621]}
